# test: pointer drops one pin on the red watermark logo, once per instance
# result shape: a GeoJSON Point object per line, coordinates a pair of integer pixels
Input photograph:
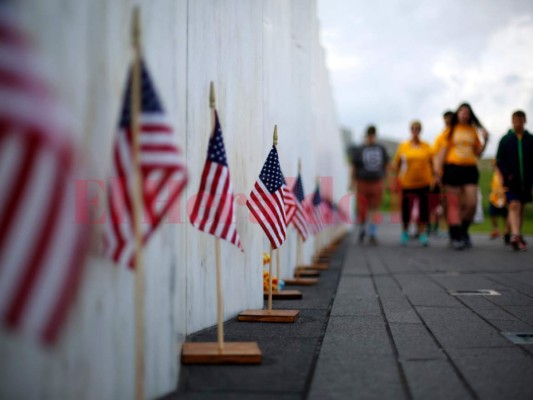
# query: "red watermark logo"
{"type": "Point", "coordinates": [92, 197]}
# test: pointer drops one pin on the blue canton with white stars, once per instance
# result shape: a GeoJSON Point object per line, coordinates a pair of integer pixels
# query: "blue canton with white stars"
{"type": "Point", "coordinates": [216, 151]}
{"type": "Point", "coordinates": [149, 100]}
{"type": "Point", "coordinates": [271, 175]}
{"type": "Point", "coordinates": [316, 197]}
{"type": "Point", "coordinates": [299, 189]}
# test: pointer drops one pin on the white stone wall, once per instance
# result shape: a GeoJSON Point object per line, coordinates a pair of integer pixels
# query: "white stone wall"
{"type": "Point", "coordinates": [268, 67]}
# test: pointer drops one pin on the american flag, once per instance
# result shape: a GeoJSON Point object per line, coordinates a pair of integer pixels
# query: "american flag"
{"type": "Point", "coordinates": [266, 200]}
{"type": "Point", "coordinates": [213, 209]}
{"type": "Point", "coordinates": [343, 216]}
{"type": "Point", "coordinates": [162, 170]}
{"type": "Point", "coordinates": [299, 221]}
{"type": "Point", "coordinates": [314, 212]}
{"type": "Point", "coordinates": [290, 202]}
{"type": "Point", "coordinates": [42, 246]}
{"type": "Point", "coordinates": [327, 211]}
{"type": "Point", "coordinates": [337, 220]}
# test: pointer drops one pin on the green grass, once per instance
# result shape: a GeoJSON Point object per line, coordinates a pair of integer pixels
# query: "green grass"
{"type": "Point", "coordinates": [485, 170]}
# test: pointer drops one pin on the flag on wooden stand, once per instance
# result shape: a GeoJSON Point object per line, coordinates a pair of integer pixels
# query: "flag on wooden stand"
{"type": "Point", "coordinates": [336, 214]}
{"type": "Point", "coordinates": [327, 212]}
{"type": "Point", "coordinates": [42, 246]}
{"type": "Point", "coordinates": [314, 212]}
{"type": "Point", "coordinates": [266, 201]}
{"type": "Point", "coordinates": [299, 220]}
{"type": "Point", "coordinates": [290, 202]}
{"type": "Point", "coordinates": [333, 216]}
{"type": "Point", "coordinates": [162, 169]}
{"type": "Point", "coordinates": [213, 210]}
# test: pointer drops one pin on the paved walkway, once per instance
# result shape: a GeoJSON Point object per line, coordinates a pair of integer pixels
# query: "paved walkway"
{"type": "Point", "coordinates": [396, 333]}
{"type": "Point", "coordinates": [385, 327]}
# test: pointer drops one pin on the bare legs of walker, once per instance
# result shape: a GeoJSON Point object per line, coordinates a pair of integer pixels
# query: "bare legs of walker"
{"type": "Point", "coordinates": [461, 204]}
{"type": "Point", "coordinates": [369, 196]}
{"type": "Point", "coordinates": [516, 218]}
{"type": "Point", "coordinates": [409, 198]}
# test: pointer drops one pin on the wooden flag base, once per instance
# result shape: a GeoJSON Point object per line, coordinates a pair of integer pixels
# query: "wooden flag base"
{"type": "Point", "coordinates": [316, 267]}
{"type": "Point", "coordinates": [330, 249]}
{"type": "Point", "coordinates": [301, 282]}
{"type": "Point", "coordinates": [233, 353]}
{"type": "Point", "coordinates": [285, 295]}
{"type": "Point", "coordinates": [269, 316]}
{"type": "Point", "coordinates": [310, 273]}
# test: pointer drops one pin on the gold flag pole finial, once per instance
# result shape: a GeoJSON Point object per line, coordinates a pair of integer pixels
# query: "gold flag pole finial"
{"type": "Point", "coordinates": [275, 135]}
{"type": "Point", "coordinates": [299, 165]}
{"type": "Point", "coordinates": [136, 28]}
{"type": "Point", "coordinates": [212, 97]}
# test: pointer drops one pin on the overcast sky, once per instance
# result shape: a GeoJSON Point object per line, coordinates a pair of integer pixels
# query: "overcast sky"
{"type": "Point", "coordinates": [392, 61]}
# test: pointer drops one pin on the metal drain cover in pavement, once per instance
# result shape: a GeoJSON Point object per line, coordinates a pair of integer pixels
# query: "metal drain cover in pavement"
{"type": "Point", "coordinates": [480, 292]}
{"type": "Point", "coordinates": [519, 337]}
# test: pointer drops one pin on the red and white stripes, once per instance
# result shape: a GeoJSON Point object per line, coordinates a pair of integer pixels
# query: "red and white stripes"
{"type": "Point", "coordinates": [269, 210]}
{"type": "Point", "coordinates": [163, 178]}
{"type": "Point", "coordinates": [213, 209]}
{"type": "Point", "coordinates": [42, 246]}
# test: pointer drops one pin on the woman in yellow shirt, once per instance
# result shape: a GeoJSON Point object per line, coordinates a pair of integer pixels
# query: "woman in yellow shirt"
{"type": "Point", "coordinates": [458, 149]}
{"type": "Point", "coordinates": [413, 166]}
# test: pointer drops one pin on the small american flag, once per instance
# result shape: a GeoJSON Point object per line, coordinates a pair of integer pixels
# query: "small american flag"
{"type": "Point", "coordinates": [266, 200]}
{"type": "Point", "coordinates": [336, 216]}
{"type": "Point", "coordinates": [162, 170]}
{"type": "Point", "coordinates": [290, 202]}
{"type": "Point", "coordinates": [327, 211]}
{"type": "Point", "coordinates": [42, 247]}
{"type": "Point", "coordinates": [213, 209]}
{"type": "Point", "coordinates": [299, 221]}
{"type": "Point", "coordinates": [314, 212]}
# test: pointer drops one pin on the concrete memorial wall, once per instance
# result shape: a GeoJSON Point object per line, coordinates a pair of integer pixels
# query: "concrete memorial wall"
{"type": "Point", "coordinates": [269, 68]}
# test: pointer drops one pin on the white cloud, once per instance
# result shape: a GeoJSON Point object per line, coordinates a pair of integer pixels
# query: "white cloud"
{"type": "Point", "coordinates": [500, 82]}
{"type": "Point", "coordinates": [392, 61]}
{"type": "Point", "coordinates": [339, 62]}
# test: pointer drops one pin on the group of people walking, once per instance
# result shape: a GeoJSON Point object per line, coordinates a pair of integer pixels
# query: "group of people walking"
{"type": "Point", "coordinates": [445, 174]}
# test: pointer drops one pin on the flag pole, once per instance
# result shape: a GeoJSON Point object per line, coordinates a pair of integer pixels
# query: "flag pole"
{"type": "Point", "coordinates": [137, 208]}
{"type": "Point", "coordinates": [275, 143]}
{"type": "Point", "coordinates": [299, 239]}
{"type": "Point", "coordinates": [278, 274]}
{"type": "Point", "coordinates": [319, 234]}
{"type": "Point", "coordinates": [220, 300]}
{"type": "Point", "coordinates": [270, 279]}
{"type": "Point", "coordinates": [220, 303]}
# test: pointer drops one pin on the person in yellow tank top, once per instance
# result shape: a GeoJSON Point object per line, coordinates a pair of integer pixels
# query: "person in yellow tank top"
{"type": "Point", "coordinates": [413, 166]}
{"type": "Point", "coordinates": [459, 148]}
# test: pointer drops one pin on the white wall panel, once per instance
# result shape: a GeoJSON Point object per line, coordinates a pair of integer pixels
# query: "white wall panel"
{"type": "Point", "coordinates": [268, 67]}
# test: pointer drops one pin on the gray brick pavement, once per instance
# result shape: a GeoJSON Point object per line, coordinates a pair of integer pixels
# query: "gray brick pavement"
{"type": "Point", "coordinates": [395, 332]}
{"type": "Point", "coordinates": [384, 326]}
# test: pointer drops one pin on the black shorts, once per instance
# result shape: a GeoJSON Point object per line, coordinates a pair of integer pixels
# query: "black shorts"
{"type": "Point", "coordinates": [523, 197]}
{"type": "Point", "coordinates": [497, 211]}
{"type": "Point", "coordinates": [459, 175]}
{"type": "Point", "coordinates": [408, 197]}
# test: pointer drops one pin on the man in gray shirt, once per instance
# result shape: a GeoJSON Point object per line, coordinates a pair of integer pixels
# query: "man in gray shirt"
{"type": "Point", "coordinates": [369, 170]}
